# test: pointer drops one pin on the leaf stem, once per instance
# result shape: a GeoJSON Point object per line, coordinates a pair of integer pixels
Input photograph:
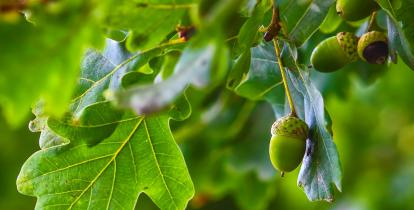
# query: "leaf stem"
{"type": "Point", "coordinates": [282, 71]}
{"type": "Point", "coordinates": [371, 22]}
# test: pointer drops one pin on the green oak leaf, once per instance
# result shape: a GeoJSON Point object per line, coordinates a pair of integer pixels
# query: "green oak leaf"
{"type": "Point", "coordinates": [300, 19]}
{"type": "Point", "coordinates": [149, 21]}
{"type": "Point", "coordinates": [99, 72]}
{"type": "Point", "coordinates": [139, 156]}
{"type": "Point", "coordinates": [132, 154]}
{"type": "Point", "coordinates": [400, 28]}
{"type": "Point", "coordinates": [104, 71]}
{"type": "Point", "coordinates": [249, 31]}
{"type": "Point", "coordinates": [196, 67]}
{"type": "Point", "coordinates": [321, 170]}
{"type": "Point", "coordinates": [239, 70]}
{"type": "Point", "coordinates": [263, 75]}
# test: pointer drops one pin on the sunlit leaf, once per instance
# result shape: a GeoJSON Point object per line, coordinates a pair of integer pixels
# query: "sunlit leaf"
{"type": "Point", "coordinates": [140, 156]}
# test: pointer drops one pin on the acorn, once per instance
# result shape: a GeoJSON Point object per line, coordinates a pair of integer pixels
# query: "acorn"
{"type": "Point", "coordinates": [353, 10]}
{"type": "Point", "coordinates": [335, 52]}
{"type": "Point", "coordinates": [288, 143]}
{"type": "Point", "coordinates": [373, 47]}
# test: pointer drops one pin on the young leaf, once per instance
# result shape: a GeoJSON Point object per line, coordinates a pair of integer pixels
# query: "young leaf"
{"type": "Point", "coordinates": [300, 19]}
{"type": "Point", "coordinates": [140, 156]}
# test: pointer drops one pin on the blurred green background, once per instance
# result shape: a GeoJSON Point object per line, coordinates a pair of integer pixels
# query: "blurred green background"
{"type": "Point", "coordinates": [373, 127]}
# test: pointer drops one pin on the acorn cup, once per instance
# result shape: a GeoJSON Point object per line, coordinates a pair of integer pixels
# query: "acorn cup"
{"type": "Point", "coordinates": [373, 47]}
{"type": "Point", "coordinates": [288, 143]}
{"type": "Point", "coordinates": [335, 52]}
{"type": "Point", "coordinates": [353, 10]}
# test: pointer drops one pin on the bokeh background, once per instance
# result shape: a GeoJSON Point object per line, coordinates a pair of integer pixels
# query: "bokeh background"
{"type": "Point", "coordinates": [225, 141]}
{"type": "Point", "coordinates": [373, 126]}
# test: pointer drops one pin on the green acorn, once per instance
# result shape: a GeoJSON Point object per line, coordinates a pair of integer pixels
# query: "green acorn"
{"type": "Point", "coordinates": [335, 52]}
{"type": "Point", "coordinates": [373, 47]}
{"type": "Point", "coordinates": [288, 143]}
{"type": "Point", "coordinates": [353, 10]}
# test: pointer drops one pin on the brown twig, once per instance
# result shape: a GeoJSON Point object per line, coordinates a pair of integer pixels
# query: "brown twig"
{"type": "Point", "coordinates": [274, 27]}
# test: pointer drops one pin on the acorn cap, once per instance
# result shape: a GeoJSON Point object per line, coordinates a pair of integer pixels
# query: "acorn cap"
{"type": "Point", "coordinates": [348, 43]}
{"type": "Point", "coordinates": [373, 47]}
{"type": "Point", "coordinates": [290, 126]}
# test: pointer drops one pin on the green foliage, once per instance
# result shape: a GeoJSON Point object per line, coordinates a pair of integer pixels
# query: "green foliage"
{"type": "Point", "coordinates": [116, 120]}
{"type": "Point", "coordinates": [400, 30]}
{"type": "Point", "coordinates": [302, 18]}
{"type": "Point", "coordinates": [53, 59]}
{"type": "Point", "coordinates": [139, 156]}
